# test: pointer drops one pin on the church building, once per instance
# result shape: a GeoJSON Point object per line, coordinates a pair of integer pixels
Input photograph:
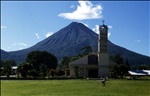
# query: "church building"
{"type": "Point", "coordinates": [94, 65]}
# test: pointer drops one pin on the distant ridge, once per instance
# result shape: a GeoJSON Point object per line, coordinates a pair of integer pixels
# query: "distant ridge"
{"type": "Point", "coordinates": [69, 40]}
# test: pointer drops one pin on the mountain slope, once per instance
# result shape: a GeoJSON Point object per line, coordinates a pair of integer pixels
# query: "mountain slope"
{"type": "Point", "coordinates": [69, 41]}
{"type": "Point", "coordinates": [4, 54]}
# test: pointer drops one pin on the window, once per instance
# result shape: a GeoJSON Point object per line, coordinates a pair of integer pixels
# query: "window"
{"type": "Point", "coordinates": [93, 59]}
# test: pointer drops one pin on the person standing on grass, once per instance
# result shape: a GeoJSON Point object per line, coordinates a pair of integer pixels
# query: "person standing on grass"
{"type": "Point", "coordinates": [103, 81]}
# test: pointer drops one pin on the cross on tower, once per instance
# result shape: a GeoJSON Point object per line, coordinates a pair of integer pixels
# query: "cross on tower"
{"type": "Point", "coordinates": [103, 22]}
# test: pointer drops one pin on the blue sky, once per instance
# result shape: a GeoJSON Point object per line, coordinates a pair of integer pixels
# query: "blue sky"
{"type": "Point", "coordinates": [25, 23]}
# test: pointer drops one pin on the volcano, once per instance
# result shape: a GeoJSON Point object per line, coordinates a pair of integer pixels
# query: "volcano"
{"type": "Point", "coordinates": [69, 40]}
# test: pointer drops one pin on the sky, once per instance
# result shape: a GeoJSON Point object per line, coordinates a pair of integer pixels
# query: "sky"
{"type": "Point", "coordinates": [25, 23]}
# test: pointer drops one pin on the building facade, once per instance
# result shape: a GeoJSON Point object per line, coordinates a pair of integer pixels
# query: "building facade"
{"type": "Point", "coordinates": [95, 64]}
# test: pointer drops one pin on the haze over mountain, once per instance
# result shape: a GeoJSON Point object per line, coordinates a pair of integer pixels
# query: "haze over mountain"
{"type": "Point", "coordinates": [68, 41]}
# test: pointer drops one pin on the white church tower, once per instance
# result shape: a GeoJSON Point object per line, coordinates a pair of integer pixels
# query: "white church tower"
{"type": "Point", "coordinates": [103, 55]}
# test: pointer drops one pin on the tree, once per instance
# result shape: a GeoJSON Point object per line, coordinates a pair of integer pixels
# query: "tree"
{"type": "Point", "coordinates": [113, 71]}
{"type": "Point", "coordinates": [7, 69]}
{"type": "Point", "coordinates": [120, 69]}
{"type": "Point", "coordinates": [118, 59]}
{"type": "Point", "coordinates": [86, 50]}
{"type": "Point", "coordinates": [127, 63]}
{"type": "Point", "coordinates": [59, 72]}
{"type": "Point", "coordinates": [65, 61]}
{"type": "Point", "coordinates": [43, 69]}
{"type": "Point", "coordinates": [2, 63]}
{"type": "Point", "coordinates": [75, 58]}
{"type": "Point", "coordinates": [11, 62]}
{"type": "Point", "coordinates": [142, 67]}
{"type": "Point", "coordinates": [52, 72]}
{"type": "Point", "coordinates": [36, 58]}
{"type": "Point", "coordinates": [7, 66]}
{"type": "Point", "coordinates": [26, 70]}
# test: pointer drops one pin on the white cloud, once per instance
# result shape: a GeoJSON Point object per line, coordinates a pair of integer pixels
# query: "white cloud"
{"type": "Point", "coordinates": [3, 27]}
{"type": "Point", "coordinates": [48, 34]}
{"type": "Point", "coordinates": [72, 6]}
{"type": "Point", "coordinates": [85, 24]}
{"type": "Point", "coordinates": [15, 44]}
{"type": "Point", "coordinates": [109, 34]}
{"type": "Point", "coordinates": [19, 44]}
{"type": "Point", "coordinates": [37, 35]}
{"type": "Point", "coordinates": [22, 44]}
{"type": "Point", "coordinates": [110, 27]}
{"type": "Point", "coordinates": [20, 48]}
{"type": "Point", "coordinates": [85, 10]}
{"type": "Point", "coordinates": [96, 29]}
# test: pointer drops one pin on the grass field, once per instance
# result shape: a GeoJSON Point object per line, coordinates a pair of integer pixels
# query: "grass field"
{"type": "Point", "coordinates": [75, 88]}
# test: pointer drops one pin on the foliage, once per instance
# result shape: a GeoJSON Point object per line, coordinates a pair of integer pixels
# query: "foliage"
{"type": "Point", "coordinates": [119, 70]}
{"type": "Point", "coordinates": [7, 69]}
{"type": "Point", "coordinates": [11, 62]}
{"type": "Point", "coordinates": [37, 64]}
{"type": "Point", "coordinates": [25, 70]}
{"type": "Point", "coordinates": [36, 58]}
{"type": "Point", "coordinates": [118, 59]}
{"type": "Point", "coordinates": [6, 66]}
{"type": "Point", "coordinates": [2, 63]}
{"type": "Point", "coordinates": [43, 69]}
{"type": "Point", "coordinates": [142, 67]}
{"type": "Point", "coordinates": [52, 72]}
{"type": "Point", "coordinates": [65, 61]}
{"type": "Point", "coordinates": [60, 72]}
{"type": "Point", "coordinates": [127, 64]}
{"type": "Point", "coordinates": [86, 50]}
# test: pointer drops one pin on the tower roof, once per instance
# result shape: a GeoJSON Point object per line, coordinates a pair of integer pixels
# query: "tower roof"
{"type": "Point", "coordinates": [103, 26]}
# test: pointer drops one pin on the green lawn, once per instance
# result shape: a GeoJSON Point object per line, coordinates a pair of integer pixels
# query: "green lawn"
{"type": "Point", "coordinates": [75, 88]}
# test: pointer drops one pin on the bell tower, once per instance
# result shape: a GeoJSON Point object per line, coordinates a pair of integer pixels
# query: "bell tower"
{"type": "Point", "coordinates": [103, 55]}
